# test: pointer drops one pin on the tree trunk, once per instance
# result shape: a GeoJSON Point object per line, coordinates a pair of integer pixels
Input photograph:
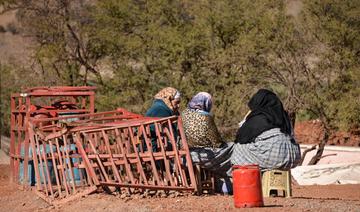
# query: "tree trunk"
{"type": "Point", "coordinates": [292, 117]}
{"type": "Point", "coordinates": [316, 158]}
{"type": "Point", "coordinates": [304, 154]}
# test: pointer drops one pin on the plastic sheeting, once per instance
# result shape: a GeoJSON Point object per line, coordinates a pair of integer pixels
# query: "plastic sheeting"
{"type": "Point", "coordinates": [324, 174]}
{"type": "Point", "coordinates": [334, 154]}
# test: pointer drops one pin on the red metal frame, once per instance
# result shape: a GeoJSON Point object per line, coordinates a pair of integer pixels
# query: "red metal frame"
{"type": "Point", "coordinates": [23, 109]}
{"type": "Point", "coordinates": [114, 148]}
{"type": "Point", "coordinates": [120, 154]}
{"type": "Point", "coordinates": [124, 155]}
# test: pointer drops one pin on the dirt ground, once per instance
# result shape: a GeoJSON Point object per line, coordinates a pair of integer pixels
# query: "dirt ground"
{"type": "Point", "coordinates": [311, 132]}
{"type": "Point", "coordinates": [305, 198]}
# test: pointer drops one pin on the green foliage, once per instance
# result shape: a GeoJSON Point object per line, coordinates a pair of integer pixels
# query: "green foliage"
{"type": "Point", "coordinates": [131, 49]}
{"type": "Point", "coordinates": [11, 80]}
{"type": "Point", "coordinates": [5, 91]}
{"type": "Point", "coordinates": [335, 95]}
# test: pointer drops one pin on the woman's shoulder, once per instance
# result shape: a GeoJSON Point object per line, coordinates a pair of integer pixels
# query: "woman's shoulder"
{"type": "Point", "coordinates": [195, 115]}
{"type": "Point", "coordinates": [159, 109]}
{"type": "Point", "coordinates": [195, 118]}
{"type": "Point", "coordinates": [192, 112]}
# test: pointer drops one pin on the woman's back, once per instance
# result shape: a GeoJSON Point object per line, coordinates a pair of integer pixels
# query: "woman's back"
{"type": "Point", "coordinates": [200, 129]}
{"type": "Point", "coordinates": [265, 137]}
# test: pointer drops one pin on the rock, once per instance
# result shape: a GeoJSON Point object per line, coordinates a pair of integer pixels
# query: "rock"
{"type": "Point", "coordinates": [123, 196]}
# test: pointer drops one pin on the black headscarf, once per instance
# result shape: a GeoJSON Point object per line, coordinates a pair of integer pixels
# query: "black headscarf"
{"type": "Point", "coordinates": [267, 112]}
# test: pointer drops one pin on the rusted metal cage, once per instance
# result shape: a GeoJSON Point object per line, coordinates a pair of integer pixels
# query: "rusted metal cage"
{"type": "Point", "coordinates": [40, 102]}
{"type": "Point", "coordinates": [66, 150]}
{"type": "Point", "coordinates": [140, 153]}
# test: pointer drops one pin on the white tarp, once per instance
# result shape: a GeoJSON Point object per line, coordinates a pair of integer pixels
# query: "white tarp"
{"type": "Point", "coordinates": [324, 174]}
{"type": "Point", "coordinates": [334, 154]}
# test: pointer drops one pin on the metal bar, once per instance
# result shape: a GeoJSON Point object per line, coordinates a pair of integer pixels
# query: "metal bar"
{"type": "Point", "coordinates": [66, 176]}
{"type": "Point", "coordinates": [63, 178]}
{"type": "Point", "coordinates": [149, 186]}
{"type": "Point", "coordinates": [41, 172]}
{"type": "Point", "coordinates": [84, 156]}
{"type": "Point", "coordinates": [54, 93]}
{"type": "Point", "coordinates": [152, 159]}
{"type": "Point", "coordinates": [48, 180]}
{"type": "Point", "coordinates": [114, 168]}
{"type": "Point", "coordinates": [139, 166]}
{"type": "Point", "coordinates": [166, 162]}
{"type": "Point", "coordinates": [122, 150]}
{"type": "Point", "coordinates": [188, 158]}
{"type": "Point", "coordinates": [55, 168]}
{"type": "Point", "coordinates": [12, 140]}
{"type": "Point", "coordinates": [62, 88]}
{"type": "Point", "coordinates": [66, 147]}
{"type": "Point", "coordinates": [26, 138]}
{"type": "Point", "coordinates": [90, 116]}
{"type": "Point", "coordinates": [92, 102]}
{"type": "Point", "coordinates": [143, 155]}
{"type": "Point", "coordinates": [98, 159]}
{"type": "Point", "coordinates": [177, 158]}
{"type": "Point", "coordinates": [35, 159]}
{"type": "Point", "coordinates": [58, 111]}
{"type": "Point", "coordinates": [18, 121]}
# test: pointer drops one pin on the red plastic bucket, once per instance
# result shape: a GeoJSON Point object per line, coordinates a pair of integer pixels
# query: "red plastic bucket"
{"type": "Point", "coordinates": [247, 186]}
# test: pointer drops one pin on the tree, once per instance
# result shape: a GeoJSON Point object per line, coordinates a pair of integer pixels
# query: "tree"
{"type": "Point", "coordinates": [335, 73]}
{"type": "Point", "coordinates": [62, 37]}
{"type": "Point", "coordinates": [131, 49]}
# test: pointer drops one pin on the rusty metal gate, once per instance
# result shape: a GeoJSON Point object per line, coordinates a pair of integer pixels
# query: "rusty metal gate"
{"type": "Point", "coordinates": [139, 153]}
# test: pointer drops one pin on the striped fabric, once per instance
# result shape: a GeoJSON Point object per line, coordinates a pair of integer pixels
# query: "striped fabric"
{"type": "Point", "coordinates": [271, 150]}
{"type": "Point", "coordinates": [216, 160]}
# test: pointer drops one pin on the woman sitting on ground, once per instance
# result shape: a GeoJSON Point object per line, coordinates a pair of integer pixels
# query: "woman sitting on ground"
{"type": "Point", "coordinates": [266, 135]}
{"type": "Point", "coordinates": [199, 125]}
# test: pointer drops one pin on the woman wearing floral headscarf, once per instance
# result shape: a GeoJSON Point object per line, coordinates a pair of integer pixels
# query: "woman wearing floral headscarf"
{"type": "Point", "coordinates": [199, 125]}
{"type": "Point", "coordinates": [166, 103]}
